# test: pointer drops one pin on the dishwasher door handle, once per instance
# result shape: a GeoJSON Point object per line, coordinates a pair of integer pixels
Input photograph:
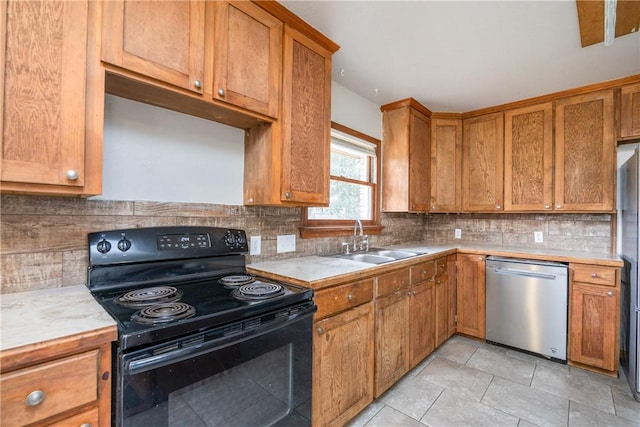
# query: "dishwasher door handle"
{"type": "Point", "coordinates": [525, 273]}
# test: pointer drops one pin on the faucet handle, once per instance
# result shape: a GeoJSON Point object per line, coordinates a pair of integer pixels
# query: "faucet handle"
{"type": "Point", "coordinates": [364, 243]}
{"type": "Point", "coordinates": [345, 248]}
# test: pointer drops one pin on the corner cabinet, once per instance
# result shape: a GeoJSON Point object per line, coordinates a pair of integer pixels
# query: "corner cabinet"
{"type": "Point", "coordinates": [482, 163]}
{"type": "Point", "coordinates": [471, 295]}
{"type": "Point", "coordinates": [594, 317]}
{"type": "Point", "coordinates": [342, 353]}
{"type": "Point", "coordinates": [585, 156]}
{"type": "Point", "coordinates": [52, 97]}
{"type": "Point", "coordinates": [630, 112]}
{"type": "Point", "coordinates": [446, 165]}
{"type": "Point", "coordinates": [406, 160]}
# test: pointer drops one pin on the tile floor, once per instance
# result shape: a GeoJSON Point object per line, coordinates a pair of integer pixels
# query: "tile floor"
{"type": "Point", "coordinates": [471, 383]}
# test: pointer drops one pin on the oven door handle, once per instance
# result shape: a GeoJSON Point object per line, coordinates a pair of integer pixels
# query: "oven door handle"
{"type": "Point", "coordinates": [143, 364]}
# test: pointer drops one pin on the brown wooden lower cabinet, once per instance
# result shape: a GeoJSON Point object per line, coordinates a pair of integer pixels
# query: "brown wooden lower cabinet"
{"type": "Point", "coordinates": [594, 317]}
{"type": "Point", "coordinates": [422, 318]}
{"type": "Point", "coordinates": [343, 353]}
{"type": "Point", "coordinates": [471, 295]}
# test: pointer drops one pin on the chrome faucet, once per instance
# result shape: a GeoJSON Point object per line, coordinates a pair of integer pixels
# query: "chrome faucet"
{"type": "Point", "coordinates": [363, 241]}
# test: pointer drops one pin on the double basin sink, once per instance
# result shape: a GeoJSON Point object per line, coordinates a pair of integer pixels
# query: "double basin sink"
{"type": "Point", "coordinates": [377, 256]}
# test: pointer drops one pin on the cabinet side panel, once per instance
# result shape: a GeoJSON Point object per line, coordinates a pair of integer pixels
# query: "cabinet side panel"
{"type": "Point", "coordinates": [395, 160]}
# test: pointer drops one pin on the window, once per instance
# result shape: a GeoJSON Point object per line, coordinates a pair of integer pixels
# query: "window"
{"type": "Point", "coordinates": [353, 190]}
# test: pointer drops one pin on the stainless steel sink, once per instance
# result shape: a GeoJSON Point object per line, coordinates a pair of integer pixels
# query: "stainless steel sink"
{"type": "Point", "coordinates": [376, 255]}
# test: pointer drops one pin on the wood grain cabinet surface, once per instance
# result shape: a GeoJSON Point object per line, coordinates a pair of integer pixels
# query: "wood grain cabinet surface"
{"type": "Point", "coordinates": [594, 317]}
{"type": "Point", "coordinates": [471, 295]}
{"type": "Point", "coordinates": [585, 153]}
{"type": "Point", "coordinates": [422, 313]}
{"type": "Point", "coordinates": [630, 112]}
{"type": "Point", "coordinates": [405, 157]}
{"type": "Point", "coordinates": [64, 382]}
{"type": "Point", "coordinates": [52, 97]}
{"type": "Point", "coordinates": [446, 165]}
{"type": "Point", "coordinates": [343, 358]}
{"type": "Point", "coordinates": [482, 163]}
{"type": "Point", "coordinates": [528, 158]}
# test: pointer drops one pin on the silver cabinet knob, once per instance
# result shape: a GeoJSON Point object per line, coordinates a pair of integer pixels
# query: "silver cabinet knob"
{"type": "Point", "coordinates": [498, 207]}
{"type": "Point", "coordinates": [71, 174]}
{"type": "Point", "coordinates": [547, 206]}
{"type": "Point", "coordinates": [610, 294]}
{"type": "Point", "coordinates": [85, 425]}
{"type": "Point", "coordinates": [558, 206]}
{"type": "Point", "coordinates": [320, 330]}
{"type": "Point", "coordinates": [350, 297]}
{"type": "Point", "coordinates": [287, 195]}
{"type": "Point", "coordinates": [197, 84]}
{"type": "Point", "coordinates": [221, 92]}
{"type": "Point", "coordinates": [35, 398]}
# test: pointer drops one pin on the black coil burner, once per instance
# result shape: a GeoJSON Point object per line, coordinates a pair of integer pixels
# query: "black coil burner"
{"type": "Point", "coordinates": [149, 296]}
{"type": "Point", "coordinates": [163, 313]}
{"type": "Point", "coordinates": [234, 282]}
{"type": "Point", "coordinates": [258, 291]}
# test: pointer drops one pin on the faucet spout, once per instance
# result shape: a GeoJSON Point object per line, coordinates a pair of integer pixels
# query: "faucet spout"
{"type": "Point", "coordinates": [357, 224]}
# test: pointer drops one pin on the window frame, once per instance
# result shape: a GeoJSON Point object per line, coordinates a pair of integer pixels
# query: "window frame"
{"type": "Point", "coordinates": [333, 227]}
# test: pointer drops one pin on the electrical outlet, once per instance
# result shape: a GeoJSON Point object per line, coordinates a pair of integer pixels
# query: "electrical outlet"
{"type": "Point", "coordinates": [286, 243]}
{"type": "Point", "coordinates": [457, 233]}
{"type": "Point", "coordinates": [256, 242]}
{"type": "Point", "coordinates": [537, 236]}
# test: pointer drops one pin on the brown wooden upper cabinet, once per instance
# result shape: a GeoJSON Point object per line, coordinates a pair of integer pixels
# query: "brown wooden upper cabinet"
{"type": "Point", "coordinates": [247, 57]}
{"type": "Point", "coordinates": [585, 153]}
{"type": "Point", "coordinates": [162, 40]}
{"type": "Point", "coordinates": [630, 112]}
{"type": "Point", "coordinates": [405, 157]}
{"type": "Point", "coordinates": [52, 98]}
{"type": "Point", "coordinates": [446, 165]}
{"type": "Point", "coordinates": [482, 163]}
{"type": "Point", "coordinates": [528, 158]}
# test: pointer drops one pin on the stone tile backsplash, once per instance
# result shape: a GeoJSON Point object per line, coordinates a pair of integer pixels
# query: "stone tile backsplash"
{"type": "Point", "coordinates": [43, 239]}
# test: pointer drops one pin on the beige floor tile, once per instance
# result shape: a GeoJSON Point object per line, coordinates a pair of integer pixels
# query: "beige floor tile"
{"type": "Point", "coordinates": [461, 379]}
{"type": "Point", "coordinates": [458, 351]}
{"type": "Point", "coordinates": [626, 406]}
{"type": "Point", "coordinates": [503, 366]}
{"type": "Point", "coordinates": [536, 359]}
{"type": "Point", "coordinates": [412, 396]}
{"type": "Point", "coordinates": [586, 416]}
{"type": "Point", "coordinates": [455, 410]}
{"type": "Point", "coordinates": [578, 387]}
{"type": "Point", "coordinates": [389, 417]}
{"type": "Point", "coordinates": [535, 406]}
{"type": "Point", "coordinates": [365, 416]}
{"type": "Point", "coordinates": [525, 423]}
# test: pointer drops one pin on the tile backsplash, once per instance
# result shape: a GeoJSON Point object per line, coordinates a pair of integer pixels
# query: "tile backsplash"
{"type": "Point", "coordinates": [43, 239]}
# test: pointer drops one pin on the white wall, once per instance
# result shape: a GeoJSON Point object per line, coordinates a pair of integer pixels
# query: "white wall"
{"type": "Point", "coordinates": [155, 154]}
{"type": "Point", "coordinates": [625, 151]}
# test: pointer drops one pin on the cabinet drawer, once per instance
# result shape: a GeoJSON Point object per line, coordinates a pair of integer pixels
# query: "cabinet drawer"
{"type": "Point", "coordinates": [421, 272]}
{"type": "Point", "coordinates": [64, 384]}
{"type": "Point", "coordinates": [441, 266]}
{"type": "Point", "coordinates": [90, 417]}
{"type": "Point", "coordinates": [343, 297]}
{"type": "Point", "coordinates": [391, 282]}
{"type": "Point", "coordinates": [594, 274]}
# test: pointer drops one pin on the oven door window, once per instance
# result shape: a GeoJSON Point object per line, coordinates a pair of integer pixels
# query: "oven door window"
{"type": "Point", "coordinates": [259, 378]}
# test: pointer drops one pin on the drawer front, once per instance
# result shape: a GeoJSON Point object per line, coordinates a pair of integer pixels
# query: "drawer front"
{"type": "Point", "coordinates": [422, 272]}
{"type": "Point", "coordinates": [52, 387]}
{"type": "Point", "coordinates": [392, 282]}
{"type": "Point", "coordinates": [441, 266]}
{"type": "Point", "coordinates": [343, 297]}
{"type": "Point", "coordinates": [89, 418]}
{"type": "Point", "coordinates": [594, 274]}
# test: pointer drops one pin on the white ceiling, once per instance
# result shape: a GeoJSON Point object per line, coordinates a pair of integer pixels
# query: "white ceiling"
{"type": "Point", "coordinates": [459, 56]}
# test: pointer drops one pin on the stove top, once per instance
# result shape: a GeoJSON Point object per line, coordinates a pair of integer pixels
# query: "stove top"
{"type": "Point", "coordinates": [161, 283]}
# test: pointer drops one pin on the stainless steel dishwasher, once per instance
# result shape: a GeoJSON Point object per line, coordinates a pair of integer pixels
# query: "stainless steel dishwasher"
{"type": "Point", "coordinates": [526, 305]}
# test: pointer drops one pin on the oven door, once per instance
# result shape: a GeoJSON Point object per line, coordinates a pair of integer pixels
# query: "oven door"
{"type": "Point", "coordinates": [251, 373]}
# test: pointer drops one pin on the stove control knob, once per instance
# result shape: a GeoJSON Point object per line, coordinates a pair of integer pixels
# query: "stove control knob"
{"type": "Point", "coordinates": [241, 239]}
{"type": "Point", "coordinates": [103, 246]}
{"type": "Point", "coordinates": [229, 239]}
{"type": "Point", "coordinates": [124, 244]}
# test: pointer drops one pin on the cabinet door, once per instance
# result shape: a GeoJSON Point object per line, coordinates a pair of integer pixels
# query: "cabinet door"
{"type": "Point", "coordinates": [593, 322]}
{"type": "Point", "coordinates": [163, 40]}
{"type": "Point", "coordinates": [585, 153]}
{"type": "Point", "coordinates": [446, 165]}
{"type": "Point", "coordinates": [471, 295]}
{"type": "Point", "coordinates": [306, 120]}
{"type": "Point", "coordinates": [451, 284]}
{"type": "Point", "coordinates": [528, 158]}
{"type": "Point", "coordinates": [419, 162]}
{"type": "Point", "coordinates": [482, 151]}
{"type": "Point", "coordinates": [422, 321]}
{"type": "Point", "coordinates": [630, 112]}
{"type": "Point", "coordinates": [392, 340]}
{"type": "Point", "coordinates": [45, 95]}
{"type": "Point", "coordinates": [342, 366]}
{"type": "Point", "coordinates": [248, 57]}
{"type": "Point", "coordinates": [442, 309]}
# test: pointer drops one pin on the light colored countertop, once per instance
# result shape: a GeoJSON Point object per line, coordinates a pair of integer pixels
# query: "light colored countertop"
{"type": "Point", "coordinates": [317, 272]}
{"type": "Point", "coordinates": [36, 316]}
